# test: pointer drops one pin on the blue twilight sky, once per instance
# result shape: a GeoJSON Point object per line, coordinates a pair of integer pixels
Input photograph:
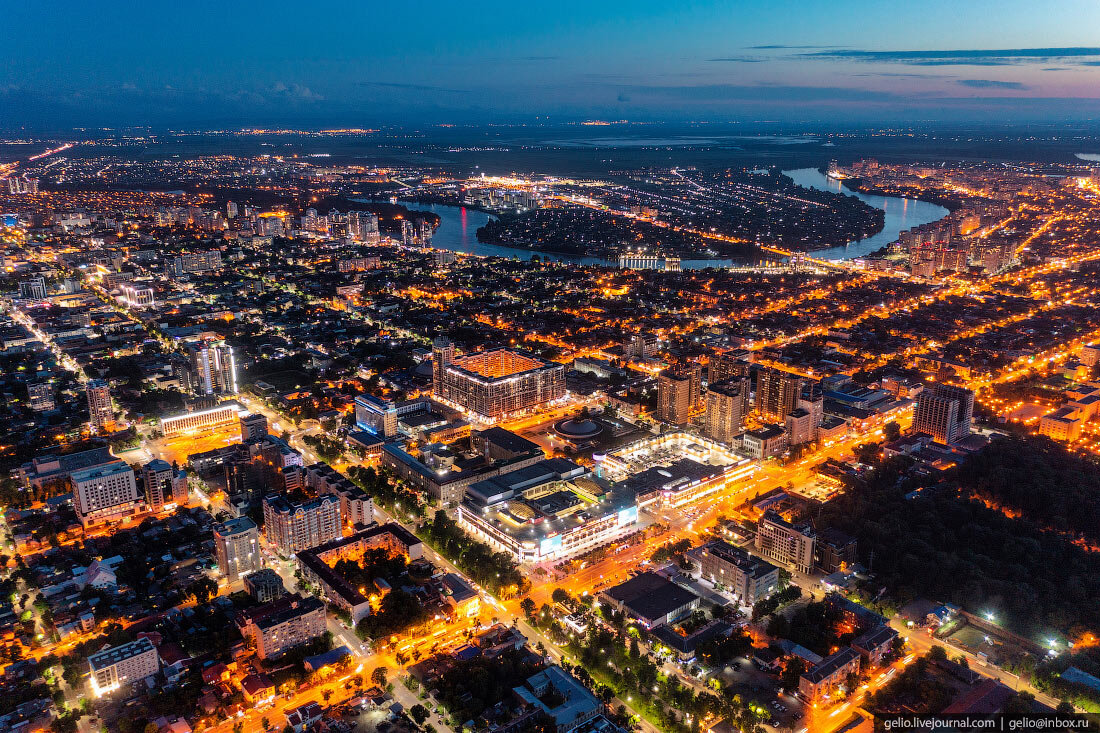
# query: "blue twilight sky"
{"type": "Point", "coordinates": [196, 63]}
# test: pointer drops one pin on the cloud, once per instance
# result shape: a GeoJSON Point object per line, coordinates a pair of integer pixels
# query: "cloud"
{"type": "Point", "coordinates": [779, 93]}
{"type": "Point", "coordinates": [739, 59]}
{"type": "Point", "coordinates": [900, 75]}
{"type": "Point", "coordinates": [990, 84]}
{"type": "Point", "coordinates": [780, 46]}
{"type": "Point", "coordinates": [295, 92]}
{"type": "Point", "coordinates": [414, 87]}
{"type": "Point", "coordinates": [539, 58]}
{"type": "Point", "coordinates": [963, 57]}
{"type": "Point", "coordinates": [623, 98]}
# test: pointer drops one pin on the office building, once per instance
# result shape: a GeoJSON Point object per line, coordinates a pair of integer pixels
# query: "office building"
{"type": "Point", "coordinates": [497, 383]}
{"type": "Point", "coordinates": [790, 544]}
{"type": "Point", "coordinates": [944, 411]}
{"type": "Point", "coordinates": [748, 578]}
{"type": "Point", "coordinates": [106, 493]}
{"type": "Point", "coordinates": [120, 665]}
{"type": "Point", "coordinates": [158, 477]}
{"type": "Point", "coordinates": [137, 296]}
{"type": "Point", "coordinates": [283, 624]}
{"type": "Point", "coordinates": [765, 442]}
{"type": "Point", "coordinates": [101, 414]}
{"type": "Point", "coordinates": [776, 394]}
{"type": "Point", "coordinates": [200, 420]}
{"type": "Point", "coordinates": [800, 427]}
{"type": "Point", "coordinates": [294, 527]}
{"type": "Point", "coordinates": [237, 547]}
{"type": "Point", "coordinates": [725, 417]}
{"type": "Point", "coordinates": [253, 427]}
{"type": "Point", "coordinates": [674, 397]}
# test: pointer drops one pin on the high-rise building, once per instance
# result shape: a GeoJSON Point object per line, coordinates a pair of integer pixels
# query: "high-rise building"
{"type": "Point", "coordinates": [253, 427]}
{"type": "Point", "coordinates": [674, 397]}
{"type": "Point", "coordinates": [230, 210]}
{"type": "Point", "coordinates": [214, 367]}
{"type": "Point", "coordinates": [101, 414]}
{"type": "Point", "coordinates": [33, 288]}
{"type": "Point", "coordinates": [944, 411]}
{"type": "Point", "coordinates": [363, 227]}
{"type": "Point", "coordinates": [728, 365]}
{"type": "Point", "coordinates": [725, 416]}
{"type": "Point", "coordinates": [158, 476]}
{"type": "Point", "coordinates": [640, 346]}
{"type": "Point", "coordinates": [294, 527]}
{"type": "Point", "coordinates": [800, 427]}
{"type": "Point", "coordinates": [40, 396]}
{"type": "Point", "coordinates": [282, 624]}
{"type": "Point", "coordinates": [237, 547]}
{"type": "Point", "coordinates": [776, 393]}
{"type": "Point", "coordinates": [104, 493]}
{"type": "Point", "coordinates": [443, 354]}
{"type": "Point", "coordinates": [791, 544]}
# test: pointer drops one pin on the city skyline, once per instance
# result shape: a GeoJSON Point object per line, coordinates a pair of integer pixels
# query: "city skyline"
{"type": "Point", "coordinates": [430, 62]}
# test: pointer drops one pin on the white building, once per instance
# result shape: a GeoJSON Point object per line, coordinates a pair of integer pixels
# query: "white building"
{"type": "Point", "coordinates": [119, 665]}
{"type": "Point", "coordinates": [237, 547]}
{"type": "Point", "coordinates": [104, 493]}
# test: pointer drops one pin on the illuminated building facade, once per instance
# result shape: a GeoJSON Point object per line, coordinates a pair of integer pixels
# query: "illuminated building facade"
{"type": "Point", "coordinates": [495, 384]}
{"type": "Point", "coordinates": [201, 420]}
{"type": "Point", "coordinates": [673, 397]}
{"type": "Point", "coordinates": [158, 477]}
{"type": "Point", "coordinates": [214, 367]}
{"type": "Point", "coordinates": [790, 544]}
{"type": "Point", "coordinates": [104, 493]}
{"type": "Point", "coordinates": [550, 511]}
{"type": "Point", "coordinates": [294, 527]}
{"type": "Point", "coordinates": [944, 411]}
{"type": "Point", "coordinates": [237, 547]}
{"type": "Point", "coordinates": [124, 664]}
{"type": "Point", "coordinates": [777, 392]}
{"type": "Point", "coordinates": [101, 414]}
{"type": "Point", "coordinates": [725, 416]}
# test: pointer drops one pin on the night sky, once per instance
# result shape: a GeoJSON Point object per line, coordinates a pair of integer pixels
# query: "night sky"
{"type": "Point", "coordinates": [326, 64]}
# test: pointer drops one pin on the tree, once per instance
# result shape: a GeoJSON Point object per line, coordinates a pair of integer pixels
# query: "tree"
{"type": "Point", "coordinates": [238, 727]}
{"type": "Point", "coordinates": [326, 695]}
{"type": "Point", "coordinates": [265, 723]}
{"type": "Point", "coordinates": [528, 607]}
{"type": "Point", "coordinates": [418, 713]}
{"type": "Point", "coordinates": [560, 595]}
{"type": "Point", "coordinates": [891, 431]}
{"type": "Point", "coordinates": [792, 672]}
{"type": "Point", "coordinates": [378, 676]}
{"type": "Point", "coordinates": [1065, 708]}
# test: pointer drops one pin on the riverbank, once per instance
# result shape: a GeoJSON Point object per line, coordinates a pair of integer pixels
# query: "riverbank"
{"type": "Point", "coordinates": [900, 214]}
{"type": "Point", "coordinates": [856, 185]}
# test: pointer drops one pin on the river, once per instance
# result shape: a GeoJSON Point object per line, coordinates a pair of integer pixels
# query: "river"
{"type": "Point", "coordinates": [458, 227]}
{"type": "Point", "coordinates": [901, 214]}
